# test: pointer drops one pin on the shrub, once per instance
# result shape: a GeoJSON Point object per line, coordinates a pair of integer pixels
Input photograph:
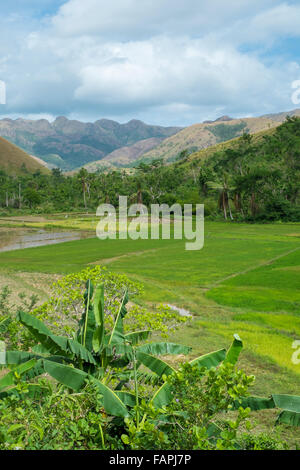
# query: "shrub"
{"type": "Point", "coordinates": [65, 307]}
{"type": "Point", "coordinates": [10, 331]}
{"type": "Point", "coordinates": [57, 420]}
{"type": "Point", "coordinates": [261, 441]}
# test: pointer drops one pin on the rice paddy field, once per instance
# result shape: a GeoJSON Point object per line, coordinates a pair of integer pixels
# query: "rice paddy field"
{"type": "Point", "coordinates": [245, 280]}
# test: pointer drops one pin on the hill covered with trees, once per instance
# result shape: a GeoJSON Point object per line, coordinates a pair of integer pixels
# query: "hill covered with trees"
{"type": "Point", "coordinates": [248, 178]}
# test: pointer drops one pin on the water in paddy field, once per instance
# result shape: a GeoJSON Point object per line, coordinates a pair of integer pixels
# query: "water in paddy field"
{"type": "Point", "coordinates": [18, 239]}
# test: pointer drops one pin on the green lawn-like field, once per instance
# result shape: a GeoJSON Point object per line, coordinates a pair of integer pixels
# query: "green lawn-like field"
{"type": "Point", "coordinates": [245, 280]}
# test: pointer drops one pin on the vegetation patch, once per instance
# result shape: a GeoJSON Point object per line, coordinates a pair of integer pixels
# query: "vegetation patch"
{"type": "Point", "coordinates": [225, 132]}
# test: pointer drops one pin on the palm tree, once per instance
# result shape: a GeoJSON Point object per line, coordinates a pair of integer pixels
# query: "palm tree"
{"type": "Point", "coordinates": [222, 187]}
{"type": "Point", "coordinates": [83, 177]}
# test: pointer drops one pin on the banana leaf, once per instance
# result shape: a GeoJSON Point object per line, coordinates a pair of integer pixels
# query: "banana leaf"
{"type": "Point", "coordinates": [57, 345]}
{"type": "Point", "coordinates": [290, 406]}
{"type": "Point", "coordinates": [76, 379]}
{"type": "Point", "coordinates": [98, 305]}
{"type": "Point", "coordinates": [127, 398]}
{"type": "Point", "coordinates": [254, 403]}
{"type": "Point", "coordinates": [66, 375]}
{"type": "Point", "coordinates": [18, 357]}
{"type": "Point", "coordinates": [157, 366]}
{"type": "Point", "coordinates": [137, 336]}
{"type": "Point", "coordinates": [234, 350]}
{"type": "Point", "coordinates": [210, 360]}
{"type": "Point", "coordinates": [161, 349]}
{"type": "Point", "coordinates": [117, 334]}
{"type": "Point", "coordinates": [287, 402]}
{"type": "Point", "coordinates": [112, 403]}
{"type": "Point", "coordinates": [40, 349]}
{"type": "Point", "coordinates": [163, 396]}
{"type": "Point", "coordinates": [289, 417]}
{"type": "Point", "coordinates": [119, 349]}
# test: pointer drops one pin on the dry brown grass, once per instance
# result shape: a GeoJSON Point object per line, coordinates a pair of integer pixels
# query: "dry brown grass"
{"type": "Point", "coordinates": [12, 158]}
{"type": "Point", "coordinates": [200, 136]}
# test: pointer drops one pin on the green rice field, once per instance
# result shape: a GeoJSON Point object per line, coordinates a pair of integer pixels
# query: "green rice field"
{"type": "Point", "coordinates": [245, 280]}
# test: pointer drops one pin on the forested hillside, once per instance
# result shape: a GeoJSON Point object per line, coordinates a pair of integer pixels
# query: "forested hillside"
{"type": "Point", "coordinates": [249, 178]}
{"type": "Point", "coordinates": [209, 133]}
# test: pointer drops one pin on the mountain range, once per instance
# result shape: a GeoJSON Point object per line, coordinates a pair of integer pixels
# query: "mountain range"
{"type": "Point", "coordinates": [209, 133]}
{"type": "Point", "coordinates": [70, 144]}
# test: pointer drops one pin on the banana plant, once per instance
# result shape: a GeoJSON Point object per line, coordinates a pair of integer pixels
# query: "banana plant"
{"type": "Point", "coordinates": [94, 351]}
{"type": "Point", "coordinates": [94, 354]}
{"type": "Point", "coordinates": [163, 396]}
{"type": "Point", "coordinates": [289, 406]}
{"type": "Point", "coordinates": [97, 355]}
{"type": "Point", "coordinates": [104, 357]}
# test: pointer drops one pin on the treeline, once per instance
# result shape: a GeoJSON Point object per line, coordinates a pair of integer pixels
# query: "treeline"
{"type": "Point", "coordinates": [257, 178]}
{"type": "Point", "coordinates": [253, 179]}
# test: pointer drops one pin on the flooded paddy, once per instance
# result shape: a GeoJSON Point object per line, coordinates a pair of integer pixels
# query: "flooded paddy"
{"type": "Point", "coordinates": [20, 238]}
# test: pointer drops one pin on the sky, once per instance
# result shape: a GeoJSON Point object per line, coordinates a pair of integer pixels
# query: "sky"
{"type": "Point", "coordinates": [166, 62]}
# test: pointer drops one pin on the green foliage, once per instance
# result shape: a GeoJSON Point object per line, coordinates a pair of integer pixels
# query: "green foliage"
{"type": "Point", "coordinates": [262, 441]}
{"type": "Point", "coordinates": [192, 412]}
{"type": "Point", "coordinates": [57, 421]}
{"type": "Point", "coordinates": [288, 404]}
{"type": "Point", "coordinates": [65, 306]}
{"type": "Point", "coordinates": [163, 409]}
{"type": "Point", "coordinates": [196, 417]}
{"type": "Point", "coordinates": [257, 179]}
{"type": "Point", "coordinates": [10, 330]}
{"type": "Point", "coordinates": [250, 179]}
{"type": "Point", "coordinates": [94, 354]}
{"type": "Point", "coordinates": [225, 132]}
{"type": "Point", "coordinates": [201, 395]}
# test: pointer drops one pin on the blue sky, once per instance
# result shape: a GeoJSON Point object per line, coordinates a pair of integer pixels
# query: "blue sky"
{"type": "Point", "coordinates": [162, 61]}
{"type": "Point", "coordinates": [32, 8]}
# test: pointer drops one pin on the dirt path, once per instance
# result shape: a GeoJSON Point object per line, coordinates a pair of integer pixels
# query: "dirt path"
{"type": "Point", "coordinates": [245, 271]}
{"type": "Point", "coordinates": [127, 255]}
{"type": "Point", "coordinates": [27, 283]}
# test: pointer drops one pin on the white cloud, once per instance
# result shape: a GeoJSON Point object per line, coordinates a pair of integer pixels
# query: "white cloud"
{"type": "Point", "coordinates": [265, 27]}
{"type": "Point", "coordinates": [128, 19]}
{"type": "Point", "coordinates": [163, 71]}
{"type": "Point", "coordinates": [282, 20]}
{"type": "Point", "coordinates": [165, 62]}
